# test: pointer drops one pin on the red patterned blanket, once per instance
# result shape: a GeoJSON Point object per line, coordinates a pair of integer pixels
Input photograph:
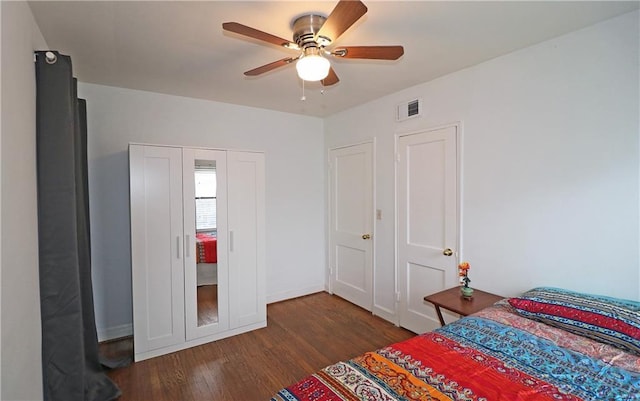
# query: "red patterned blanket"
{"type": "Point", "coordinates": [494, 355]}
{"type": "Point", "coordinates": [206, 248]}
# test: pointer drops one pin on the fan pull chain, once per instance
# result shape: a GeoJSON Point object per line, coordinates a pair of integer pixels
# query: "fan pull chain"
{"type": "Point", "coordinates": [303, 98]}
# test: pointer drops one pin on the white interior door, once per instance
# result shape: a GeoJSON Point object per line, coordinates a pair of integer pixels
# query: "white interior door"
{"type": "Point", "coordinates": [156, 246]}
{"type": "Point", "coordinates": [427, 222]}
{"type": "Point", "coordinates": [351, 225]}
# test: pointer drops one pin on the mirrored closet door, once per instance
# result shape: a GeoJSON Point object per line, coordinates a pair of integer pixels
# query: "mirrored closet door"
{"type": "Point", "coordinates": [205, 227]}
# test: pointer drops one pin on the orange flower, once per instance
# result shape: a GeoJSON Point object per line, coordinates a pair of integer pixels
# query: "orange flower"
{"type": "Point", "coordinates": [463, 272]}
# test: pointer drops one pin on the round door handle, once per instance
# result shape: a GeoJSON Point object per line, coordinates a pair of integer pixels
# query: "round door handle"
{"type": "Point", "coordinates": [447, 252]}
{"type": "Point", "coordinates": [366, 236]}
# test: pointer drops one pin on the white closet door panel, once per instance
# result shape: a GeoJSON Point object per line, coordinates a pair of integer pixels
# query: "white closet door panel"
{"type": "Point", "coordinates": [219, 160]}
{"type": "Point", "coordinates": [157, 250]}
{"type": "Point", "coordinates": [246, 191]}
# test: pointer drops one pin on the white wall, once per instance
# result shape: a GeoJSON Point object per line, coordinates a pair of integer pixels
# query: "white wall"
{"type": "Point", "coordinates": [293, 146]}
{"type": "Point", "coordinates": [550, 163]}
{"type": "Point", "coordinates": [550, 176]}
{"type": "Point", "coordinates": [20, 296]}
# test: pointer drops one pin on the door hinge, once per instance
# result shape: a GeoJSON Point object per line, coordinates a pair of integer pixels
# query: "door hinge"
{"type": "Point", "coordinates": [397, 156]}
{"type": "Point", "coordinates": [398, 296]}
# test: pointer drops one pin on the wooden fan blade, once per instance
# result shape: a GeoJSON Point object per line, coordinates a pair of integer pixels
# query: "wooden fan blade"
{"type": "Point", "coordinates": [256, 34]}
{"type": "Point", "coordinates": [270, 66]}
{"type": "Point", "coordinates": [345, 14]}
{"type": "Point", "coordinates": [331, 79]}
{"type": "Point", "coordinates": [369, 52]}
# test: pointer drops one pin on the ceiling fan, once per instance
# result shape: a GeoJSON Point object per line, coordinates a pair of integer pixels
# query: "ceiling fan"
{"type": "Point", "coordinates": [313, 35]}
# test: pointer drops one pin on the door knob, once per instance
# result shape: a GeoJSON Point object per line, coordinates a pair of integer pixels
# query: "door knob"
{"type": "Point", "coordinates": [447, 252]}
{"type": "Point", "coordinates": [366, 236]}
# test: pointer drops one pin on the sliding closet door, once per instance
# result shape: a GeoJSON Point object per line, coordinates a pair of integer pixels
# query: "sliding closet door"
{"type": "Point", "coordinates": [205, 235]}
{"type": "Point", "coordinates": [246, 192]}
{"type": "Point", "coordinates": [156, 246]}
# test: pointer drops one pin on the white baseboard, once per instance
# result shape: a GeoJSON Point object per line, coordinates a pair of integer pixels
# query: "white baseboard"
{"type": "Point", "coordinates": [140, 356]}
{"type": "Point", "coordinates": [125, 330]}
{"type": "Point", "coordinates": [283, 296]}
{"type": "Point", "coordinates": [386, 314]}
{"type": "Point", "coordinates": [111, 333]}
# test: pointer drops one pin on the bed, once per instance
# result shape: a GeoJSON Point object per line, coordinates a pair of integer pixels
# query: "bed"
{"type": "Point", "coordinates": [548, 344]}
{"type": "Point", "coordinates": [206, 248]}
{"type": "Point", "coordinates": [206, 258]}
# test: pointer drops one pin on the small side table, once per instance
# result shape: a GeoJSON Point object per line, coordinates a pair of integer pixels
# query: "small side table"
{"type": "Point", "coordinates": [453, 301]}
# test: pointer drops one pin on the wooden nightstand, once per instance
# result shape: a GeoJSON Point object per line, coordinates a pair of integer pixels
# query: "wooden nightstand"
{"type": "Point", "coordinates": [453, 301]}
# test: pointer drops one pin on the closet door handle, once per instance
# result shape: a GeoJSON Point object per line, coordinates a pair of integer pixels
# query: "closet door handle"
{"type": "Point", "coordinates": [231, 241]}
{"type": "Point", "coordinates": [178, 247]}
{"type": "Point", "coordinates": [187, 250]}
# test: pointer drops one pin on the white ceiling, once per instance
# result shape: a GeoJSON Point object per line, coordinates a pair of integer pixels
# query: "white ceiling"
{"type": "Point", "coordinates": [179, 47]}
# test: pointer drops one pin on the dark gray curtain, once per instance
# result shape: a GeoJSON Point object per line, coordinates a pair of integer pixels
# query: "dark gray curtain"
{"type": "Point", "coordinates": [70, 365]}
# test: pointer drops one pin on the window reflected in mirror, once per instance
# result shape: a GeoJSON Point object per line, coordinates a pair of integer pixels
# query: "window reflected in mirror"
{"type": "Point", "coordinates": [206, 242]}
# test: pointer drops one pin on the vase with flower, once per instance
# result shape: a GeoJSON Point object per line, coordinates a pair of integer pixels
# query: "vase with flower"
{"type": "Point", "coordinates": [463, 269]}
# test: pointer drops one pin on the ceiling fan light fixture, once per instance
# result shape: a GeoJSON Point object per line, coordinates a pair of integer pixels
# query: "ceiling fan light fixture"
{"type": "Point", "coordinates": [312, 34]}
{"type": "Point", "coordinates": [313, 67]}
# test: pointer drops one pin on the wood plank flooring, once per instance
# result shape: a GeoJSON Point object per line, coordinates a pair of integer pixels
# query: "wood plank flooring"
{"type": "Point", "coordinates": [207, 296]}
{"type": "Point", "coordinates": [302, 335]}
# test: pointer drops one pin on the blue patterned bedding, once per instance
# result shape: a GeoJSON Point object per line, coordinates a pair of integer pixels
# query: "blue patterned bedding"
{"type": "Point", "coordinates": [496, 354]}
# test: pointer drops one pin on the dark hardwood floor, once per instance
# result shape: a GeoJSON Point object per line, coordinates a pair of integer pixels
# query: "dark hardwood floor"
{"type": "Point", "coordinates": [207, 304]}
{"type": "Point", "coordinates": [302, 335]}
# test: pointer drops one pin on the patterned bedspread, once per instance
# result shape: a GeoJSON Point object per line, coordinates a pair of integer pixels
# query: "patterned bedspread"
{"type": "Point", "coordinates": [493, 355]}
{"type": "Point", "coordinates": [206, 248]}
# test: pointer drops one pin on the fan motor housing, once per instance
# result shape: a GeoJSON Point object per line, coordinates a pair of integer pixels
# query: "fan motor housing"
{"type": "Point", "coordinates": [306, 27]}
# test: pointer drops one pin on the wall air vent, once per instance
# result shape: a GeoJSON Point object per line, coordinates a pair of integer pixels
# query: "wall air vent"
{"type": "Point", "coordinates": [410, 109]}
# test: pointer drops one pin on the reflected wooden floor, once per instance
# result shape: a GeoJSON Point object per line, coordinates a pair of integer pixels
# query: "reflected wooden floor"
{"type": "Point", "coordinates": [207, 304]}
{"type": "Point", "coordinates": [302, 336]}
